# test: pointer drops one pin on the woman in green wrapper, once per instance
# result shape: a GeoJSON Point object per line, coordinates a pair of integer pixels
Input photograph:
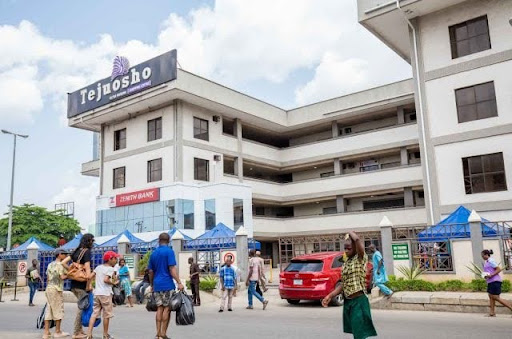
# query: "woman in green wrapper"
{"type": "Point", "coordinates": [357, 317]}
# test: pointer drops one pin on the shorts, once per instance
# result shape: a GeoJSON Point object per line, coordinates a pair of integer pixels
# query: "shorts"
{"type": "Point", "coordinates": [163, 298]}
{"type": "Point", "coordinates": [357, 318]}
{"type": "Point", "coordinates": [103, 302]}
{"type": "Point", "coordinates": [494, 288]}
{"type": "Point", "coordinates": [55, 308]}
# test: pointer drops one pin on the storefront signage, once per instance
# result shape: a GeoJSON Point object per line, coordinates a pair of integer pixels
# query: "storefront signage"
{"type": "Point", "coordinates": [123, 82]}
{"type": "Point", "coordinates": [400, 251]}
{"type": "Point", "coordinates": [138, 197]}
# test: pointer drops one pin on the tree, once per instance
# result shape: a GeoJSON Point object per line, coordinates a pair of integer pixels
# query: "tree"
{"type": "Point", "coordinates": [33, 221]}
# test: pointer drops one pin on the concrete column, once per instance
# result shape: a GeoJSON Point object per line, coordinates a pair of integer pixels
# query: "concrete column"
{"type": "Point", "coordinates": [341, 204]}
{"type": "Point", "coordinates": [178, 141]}
{"type": "Point", "coordinates": [242, 252]}
{"type": "Point", "coordinates": [275, 255]}
{"type": "Point", "coordinates": [408, 197]}
{"type": "Point", "coordinates": [404, 157]}
{"type": "Point", "coordinates": [32, 253]}
{"type": "Point", "coordinates": [177, 246]}
{"type": "Point", "coordinates": [401, 116]}
{"type": "Point", "coordinates": [335, 129]}
{"type": "Point", "coordinates": [338, 170]}
{"type": "Point", "coordinates": [123, 245]}
{"type": "Point", "coordinates": [239, 163]}
{"type": "Point", "coordinates": [477, 243]}
{"type": "Point", "coordinates": [386, 235]}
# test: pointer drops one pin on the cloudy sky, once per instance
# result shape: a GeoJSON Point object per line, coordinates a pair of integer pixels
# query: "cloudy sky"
{"type": "Point", "coordinates": [288, 53]}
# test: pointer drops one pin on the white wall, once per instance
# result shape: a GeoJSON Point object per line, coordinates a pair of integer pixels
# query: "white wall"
{"type": "Point", "coordinates": [312, 173]}
{"type": "Point", "coordinates": [216, 168]}
{"type": "Point", "coordinates": [312, 209]}
{"type": "Point", "coordinates": [311, 138]}
{"type": "Point", "coordinates": [435, 37]}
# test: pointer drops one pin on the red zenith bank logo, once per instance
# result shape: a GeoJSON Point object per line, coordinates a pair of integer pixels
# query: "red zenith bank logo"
{"type": "Point", "coordinates": [138, 197]}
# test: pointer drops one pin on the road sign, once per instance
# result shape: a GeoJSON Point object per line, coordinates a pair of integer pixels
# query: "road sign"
{"type": "Point", "coordinates": [400, 251]}
{"type": "Point", "coordinates": [228, 254]}
{"type": "Point", "coordinates": [22, 267]}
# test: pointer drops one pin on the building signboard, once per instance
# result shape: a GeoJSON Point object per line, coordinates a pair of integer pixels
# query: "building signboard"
{"type": "Point", "coordinates": [123, 82]}
{"type": "Point", "coordinates": [400, 251]}
{"type": "Point", "coordinates": [137, 197]}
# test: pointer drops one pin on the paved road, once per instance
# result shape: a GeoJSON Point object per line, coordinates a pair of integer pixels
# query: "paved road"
{"type": "Point", "coordinates": [280, 320]}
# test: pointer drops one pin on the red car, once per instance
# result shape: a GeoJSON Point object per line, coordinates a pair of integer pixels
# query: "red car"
{"type": "Point", "coordinates": [313, 276]}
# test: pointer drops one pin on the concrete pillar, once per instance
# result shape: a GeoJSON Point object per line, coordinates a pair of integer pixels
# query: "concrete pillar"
{"type": "Point", "coordinates": [408, 197]}
{"type": "Point", "coordinates": [386, 235]}
{"type": "Point", "coordinates": [242, 252]}
{"type": "Point", "coordinates": [239, 163]}
{"type": "Point", "coordinates": [275, 255]}
{"type": "Point", "coordinates": [335, 129]}
{"type": "Point", "coordinates": [404, 157]}
{"type": "Point", "coordinates": [338, 170]}
{"type": "Point", "coordinates": [477, 243]}
{"type": "Point", "coordinates": [177, 245]}
{"type": "Point", "coordinates": [401, 116]}
{"type": "Point", "coordinates": [32, 253]}
{"type": "Point", "coordinates": [123, 245]}
{"type": "Point", "coordinates": [341, 204]}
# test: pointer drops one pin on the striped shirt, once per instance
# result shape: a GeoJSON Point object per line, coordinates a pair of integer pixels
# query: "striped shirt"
{"type": "Point", "coordinates": [354, 275]}
{"type": "Point", "coordinates": [228, 276]}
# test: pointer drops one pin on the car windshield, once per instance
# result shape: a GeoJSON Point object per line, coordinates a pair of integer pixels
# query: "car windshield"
{"type": "Point", "coordinates": [305, 266]}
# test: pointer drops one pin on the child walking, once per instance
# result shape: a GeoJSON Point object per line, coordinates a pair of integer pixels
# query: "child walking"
{"type": "Point", "coordinates": [55, 273]}
{"type": "Point", "coordinates": [228, 284]}
{"type": "Point", "coordinates": [104, 278]}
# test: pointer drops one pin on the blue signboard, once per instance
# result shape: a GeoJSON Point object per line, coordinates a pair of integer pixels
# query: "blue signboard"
{"type": "Point", "coordinates": [123, 82]}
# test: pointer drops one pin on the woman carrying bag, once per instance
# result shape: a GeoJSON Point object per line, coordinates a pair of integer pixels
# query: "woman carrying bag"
{"type": "Point", "coordinates": [80, 274]}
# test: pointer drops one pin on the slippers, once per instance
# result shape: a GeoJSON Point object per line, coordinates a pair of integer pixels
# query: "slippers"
{"type": "Point", "coordinates": [490, 315]}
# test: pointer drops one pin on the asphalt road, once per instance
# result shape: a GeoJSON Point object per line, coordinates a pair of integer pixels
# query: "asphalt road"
{"type": "Point", "coordinates": [280, 320]}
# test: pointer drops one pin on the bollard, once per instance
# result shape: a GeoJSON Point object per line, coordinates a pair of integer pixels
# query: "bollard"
{"type": "Point", "coordinates": [15, 290]}
{"type": "Point", "coordinates": [1, 291]}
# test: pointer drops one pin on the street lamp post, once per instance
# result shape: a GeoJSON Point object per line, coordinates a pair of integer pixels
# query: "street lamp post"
{"type": "Point", "coordinates": [9, 230]}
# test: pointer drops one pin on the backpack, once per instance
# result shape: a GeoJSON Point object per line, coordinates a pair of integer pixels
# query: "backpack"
{"type": "Point", "coordinates": [76, 270]}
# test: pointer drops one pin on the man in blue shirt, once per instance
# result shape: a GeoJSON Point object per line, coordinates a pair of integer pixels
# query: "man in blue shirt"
{"type": "Point", "coordinates": [228, 284]}
{"type": "Point", "coordinates": [162, 270]}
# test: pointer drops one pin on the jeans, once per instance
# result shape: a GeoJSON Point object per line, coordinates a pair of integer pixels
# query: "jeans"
{"type": "Point", "coordinates": [252, 292]}
{"type": "Point", "coordinates": [140, 290]}
{"type": "Point", "coordinates": [384, 289]}
{"type": "Point", "coordinates": [33, 288]}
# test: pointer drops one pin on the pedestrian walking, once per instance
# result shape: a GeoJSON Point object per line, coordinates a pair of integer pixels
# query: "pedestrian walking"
{"type": "Point", "coordinates": [252, 279]}
{"type": "Point", "coordinates": [380, 278]}
{"type": "Point", "coordinates": [125, 282]}
{"type": "Point", "coordinates": [494, 280]}
{"type": "Point", "coordinates": [140, 289]}
{"type": "Point", "coordinates": [82, 256]}
{"type": "Point", "coordinates": [194, 281]}
{"type": "Point", "coordinates": [33, 280]}
{"type": "Point", "coordinates": [227, 276]}
{"type": "Point", "coordinates": [357, 317]}
{"type": "Point", "coordinates": [55, 275]}
{"type": "Point", "coordinates": [104, 279]}
{"type": "Point", "coordinates": [162, 271]}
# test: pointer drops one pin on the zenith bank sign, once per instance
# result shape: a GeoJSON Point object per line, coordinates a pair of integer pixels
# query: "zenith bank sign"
{"type": "Point", "coordinates": [123, 82]}
{"type": "Point", "coordinates": [138, 197]}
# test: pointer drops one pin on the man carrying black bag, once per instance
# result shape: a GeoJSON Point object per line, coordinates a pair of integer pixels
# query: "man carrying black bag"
{"type": "Point", "coordinates": [162, 270]}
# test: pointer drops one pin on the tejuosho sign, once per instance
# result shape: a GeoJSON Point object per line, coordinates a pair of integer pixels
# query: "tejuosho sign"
{"type": "Point", "coordinates": [124, 82]}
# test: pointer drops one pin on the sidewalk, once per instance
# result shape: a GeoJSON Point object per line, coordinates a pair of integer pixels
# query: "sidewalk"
{"type": "Point", "coordinates": [462, 302]}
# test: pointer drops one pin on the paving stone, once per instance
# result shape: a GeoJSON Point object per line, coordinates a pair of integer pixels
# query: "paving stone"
{"type": "Point", "coordinates": [446, 298]}
{"type": "Point", "coordinates": [408, 307]}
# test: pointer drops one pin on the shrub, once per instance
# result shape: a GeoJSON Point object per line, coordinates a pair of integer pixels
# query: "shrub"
{"type": "Point", "coordinates": [206, 284]}
{"type": "Point", "coordinates": [505, 288]}
{"type": "Point", "coordinates": [451, 285]}
{"type": "Point", "coordinates": [421, 285]}
{"type": "Point", "coordinates": [143, 262]}
{"type": "Point", "coordinates": [478, 285]}
{"type": "Point", "coordinates": [411, 273]}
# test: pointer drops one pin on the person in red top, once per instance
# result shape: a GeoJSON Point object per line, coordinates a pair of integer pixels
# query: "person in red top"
{"type": "Point", "coordinates": [61, 241]}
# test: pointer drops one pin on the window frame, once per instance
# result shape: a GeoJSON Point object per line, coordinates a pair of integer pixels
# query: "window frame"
{"type": "Point", "coordinates": [119, 143]}
{"type": "Point", "coordinates": [155, 129]}
{"type": "Point", "coordinates": [115, 179]}
{"type": "Point", "coordinates": [199, 131]}
{"type": "Point", "coordinates": [452, 30]}
{"type": "Point", "coordinates": [468, 176]}
{"type": "Point", "coordinates": [196, 169]}
{"type": "Point", "coordinates": [151, 170]}
{"type": "Point", "coordinates": [459, 106]}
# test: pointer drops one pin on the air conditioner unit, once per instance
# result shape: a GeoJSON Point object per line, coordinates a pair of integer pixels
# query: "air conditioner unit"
{"type": "Point", "coordinates": [217, 157]}
{"type": "Point", "coordinates": [216, 118]}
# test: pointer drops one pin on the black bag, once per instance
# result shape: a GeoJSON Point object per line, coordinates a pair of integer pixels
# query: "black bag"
{"type": "Point", "coordinates": [176, 301]}
{"type": "Point", "coordinates": [185, 314]}
{"type": "Point", "coordinates": [83, 302]}
{"type": "Point", "coordinates": [40, 319]}
{"type": "Point", "coordinates": [151, 303]}
{"type": "Point", "coordinates": [118, 295]}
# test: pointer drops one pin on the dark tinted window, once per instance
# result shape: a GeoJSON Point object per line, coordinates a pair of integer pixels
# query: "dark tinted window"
{"type": "Point", "coordinates": [337, 262]}
{"type": "Point", "coordinates": [476, 102]}
{"type": "Point", "coordinates": [484, 173]}
{"type": "Point", "coordinates": [155, 129]}
{"type": "Point", "coordinates": [200, 129]}
{"type": "Point", "coordinates": [470, 37]}
{"type": "Point", "coordinates": [383, 204]}
{"type": "Point", "coordinates": [305, 266]}
{"type": "Point", "coordinates": [155, 170]}
{"type": "Point", "coordinates": [119, 177]}
{"type": "Point", "coordinates": [201, 170]}
{"type": "Point", "coordinates": [120, 139]}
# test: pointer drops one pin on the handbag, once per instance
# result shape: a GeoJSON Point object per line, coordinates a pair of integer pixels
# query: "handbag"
{"type": "Point", "coordinates": [87, 313]}
{"type": "Point", "coordinates": [151, 303]}
{"type": "Point", "coordinates": [76, 270]}
{"type": "Point", "coordinates": [83, 302]}
{"type": "Point", "coordinates": [119, 295]}
{"type": "Point", "coordinates": [40, 319]}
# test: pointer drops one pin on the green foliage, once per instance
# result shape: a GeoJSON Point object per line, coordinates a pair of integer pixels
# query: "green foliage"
{"type": "Point", "coordinates": [451, 285]}
{"type": "Point", "coordinates": [206, 284]}
{"type": "Point", "coordinates": [477, 270]}
{"type": "Point", "coordinates": [143, 262]}
{"type": "Point", "coordinates": [33, 221]}
{"type": "Point", "coordinates": [411, 273]}
{"type": "Point", "coordinates": [506, 286]}
{"type": "Point", "coordinates": [402, 284]}
{"type": "Point", "coordinates": [476, 285]}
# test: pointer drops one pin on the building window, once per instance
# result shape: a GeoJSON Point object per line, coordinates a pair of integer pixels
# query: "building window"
{"type": "Point", "coordinates": [155, 170]}
{"type": "Point", "coordinates": [119, 177]}
{"type": "Point", "coordinates": [201, 169]}
{"type": "Point", "coordinates": [228, 126]}
{"type": "Point", "coordinates": [200, 129]}
{"type": "Point", "coordinates": [470, 37]}
{"type": "Point", "coordinates": [209, 214]}
{"type": "Point", "coordinates": [383, 204]}
{"type": "Point", "coordinates": [476, 102]}
{"type": "Point", "coordinates": [238, 213]}
{"type": "Point", "coordinates": [484, 173]}
{"type": "Point", "coordinates": [155, 129]}
{"type": "Point", "coordinates": [188, 214]}
{"type": "Point", "coordinates": [120, 139]}
{"type": "Point", "coordinates": [329, 210]}
{"type": "Point", "coordinates": [260, 210]}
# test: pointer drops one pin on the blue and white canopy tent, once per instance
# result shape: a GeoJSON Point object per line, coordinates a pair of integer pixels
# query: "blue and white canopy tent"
{"type": "Point", "coordinates": [20, 252]}
{"type": "Point", "coordinates": [456, 225]}
{"type": "Point", "coordinates": [152, 243]}
{"type": "Point", "coordinates": [220, 237]}
{"type": "Point", "coordinates": [113, 242]}
{"type": "Point", "coordinates": [72, 244]}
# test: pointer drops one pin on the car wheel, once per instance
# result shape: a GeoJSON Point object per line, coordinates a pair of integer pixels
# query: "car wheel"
{"type": "Point", "coordinates": [337, 300]}
{"type": "Point", "coordinates": [293, 301]}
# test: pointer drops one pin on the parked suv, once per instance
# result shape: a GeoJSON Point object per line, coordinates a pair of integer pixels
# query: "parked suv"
{"type": "Point", "coordinates": [314, 276]}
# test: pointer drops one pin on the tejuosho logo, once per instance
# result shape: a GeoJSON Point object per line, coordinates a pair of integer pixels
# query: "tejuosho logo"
{"type": "Point", "coordinates": [125, 83]}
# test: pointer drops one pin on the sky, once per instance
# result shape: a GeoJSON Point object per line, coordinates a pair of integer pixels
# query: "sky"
{"type": "Point", "coordinates": [287, 53]}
